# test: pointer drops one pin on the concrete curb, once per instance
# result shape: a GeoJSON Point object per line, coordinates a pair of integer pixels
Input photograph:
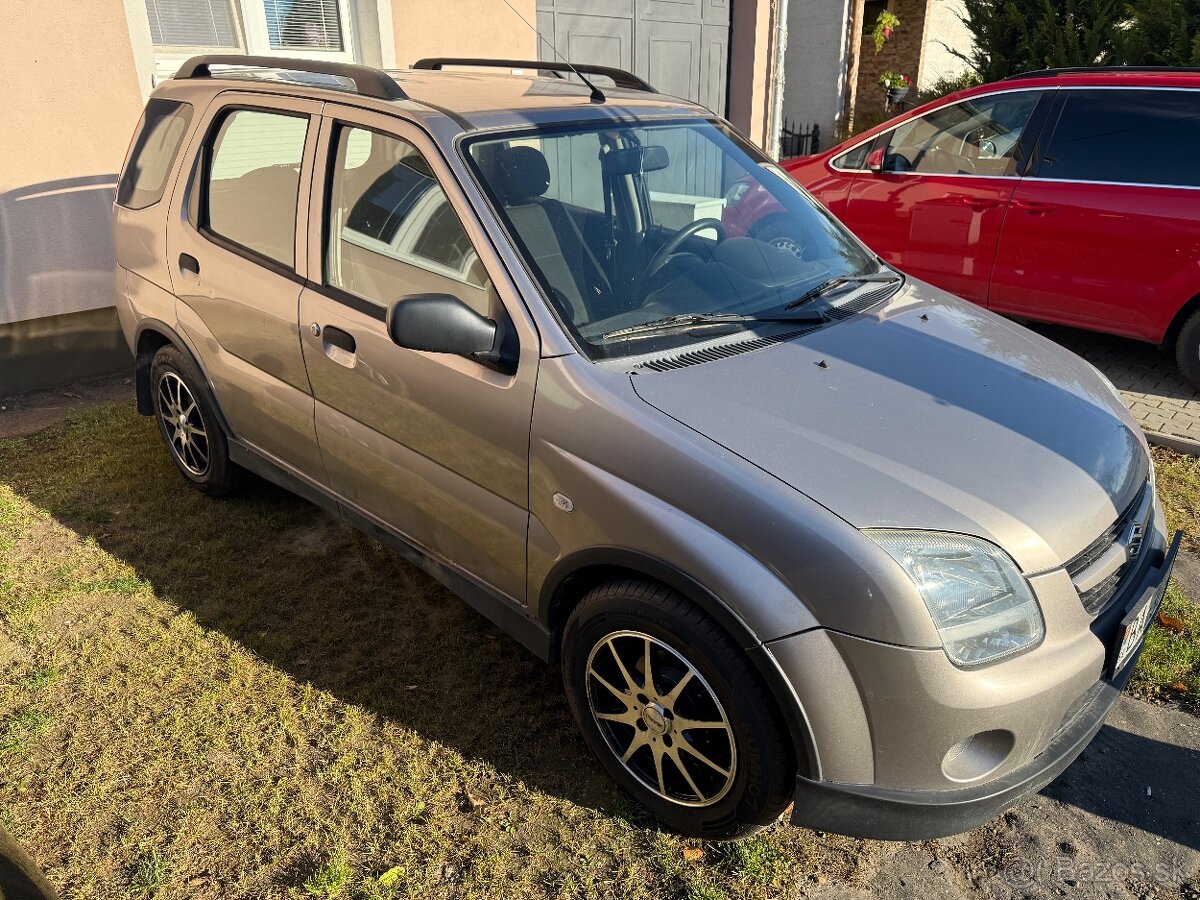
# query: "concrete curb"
{"type": "Point", "coordinates": [1172, 442]}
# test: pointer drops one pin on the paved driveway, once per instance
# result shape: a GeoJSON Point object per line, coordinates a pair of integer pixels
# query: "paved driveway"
{"type": "Point", "coordinates": [1155, 392]}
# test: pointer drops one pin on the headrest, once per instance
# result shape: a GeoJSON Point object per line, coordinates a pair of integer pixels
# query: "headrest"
{"type": "Point", "coordinates": [521, 173]}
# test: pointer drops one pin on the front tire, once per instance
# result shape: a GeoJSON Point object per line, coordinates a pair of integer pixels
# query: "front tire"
{"type": "Point", "coordinates": [187, 420]}
{"type": "Point", "coordinates": [707, 761]}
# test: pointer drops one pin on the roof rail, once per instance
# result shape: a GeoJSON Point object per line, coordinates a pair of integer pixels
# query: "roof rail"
{"type": "Point", "coordinates": [620, 77]}
{"type": "Point", "coordinates": [1088, 70]}
{"type": "Point", "coordinates": [368, 82]}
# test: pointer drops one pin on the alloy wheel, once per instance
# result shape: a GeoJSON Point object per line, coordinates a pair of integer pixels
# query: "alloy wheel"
{"type": "Point", "coordinates": [185, 427]}
{"type": "Point", "coordinates": [661, 719]}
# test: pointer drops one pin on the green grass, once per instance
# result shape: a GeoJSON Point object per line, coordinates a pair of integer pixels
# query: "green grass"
{"type": "Point", "coordinates": [1169, 667]}
{"type": "Point", "coordinates": [244, 698]}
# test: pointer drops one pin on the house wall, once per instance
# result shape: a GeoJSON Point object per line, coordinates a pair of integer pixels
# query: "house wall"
{"type": "Point", "coordinates": [66, 136]}
{"type": "Point", "coordinates": [424, 28]}
{"type": "Point", "coordinates": [944, 29]}
{"type": "Point", "coordinates": [902, 53]}
{"type": "Point", "coordinates": [752, 44]}
{"type": "Point", "coordinates": [817, 62]}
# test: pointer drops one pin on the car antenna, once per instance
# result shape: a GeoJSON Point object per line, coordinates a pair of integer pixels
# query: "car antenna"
{"type": "Point", "coordinates": [597, 94]}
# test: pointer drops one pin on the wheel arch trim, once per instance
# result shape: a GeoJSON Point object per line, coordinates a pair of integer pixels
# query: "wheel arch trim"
{"type": "Point", "coordinates": [143, 358]}
{"type": "Point", "coordinates": [596, 564]}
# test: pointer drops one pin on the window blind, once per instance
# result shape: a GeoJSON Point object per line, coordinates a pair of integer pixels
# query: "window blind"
{"type": "Point", "coordinates": [306, 24]}
{"type": "Point", "coordinates": [192, 23]}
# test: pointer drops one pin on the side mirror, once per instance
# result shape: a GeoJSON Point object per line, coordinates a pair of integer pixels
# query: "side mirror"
{"type": "Point", "coordinates": [875, 160]}
{"type": "Point", "coordinates": [441, 323]}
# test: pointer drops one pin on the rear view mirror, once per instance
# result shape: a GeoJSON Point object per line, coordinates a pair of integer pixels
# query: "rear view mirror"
{"type": "Point", "coordinates": [875, 160]}
{"type": "Point", "coordinates": [441, 323]}
{"type": "Point", "coordinates": [635, 160]}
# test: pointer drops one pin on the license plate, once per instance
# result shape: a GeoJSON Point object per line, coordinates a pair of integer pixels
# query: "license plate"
{"type": "Point", "coordinates": [1138, 620]}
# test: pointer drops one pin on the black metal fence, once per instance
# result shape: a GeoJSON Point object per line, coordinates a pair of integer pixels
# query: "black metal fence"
{"type": "Point", "coordinates": [796, 140]}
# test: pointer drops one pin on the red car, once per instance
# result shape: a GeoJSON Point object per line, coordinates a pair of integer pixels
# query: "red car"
{"type": "Point", "coordinates": [1068, 196]}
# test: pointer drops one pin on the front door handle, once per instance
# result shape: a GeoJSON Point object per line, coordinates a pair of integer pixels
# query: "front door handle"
{"type": "Point", "coordinates": [335, 337]}
{"type": "Point", "coordinates": [189, 263]}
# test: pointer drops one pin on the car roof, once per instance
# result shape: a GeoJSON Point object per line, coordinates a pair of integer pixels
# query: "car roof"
{"type": "Point", "coordinates": [1099, 76]}
{"type": "Point", "coordinates": [1045, 79]}
{"type": "Point", "coordinates": [451, 102]}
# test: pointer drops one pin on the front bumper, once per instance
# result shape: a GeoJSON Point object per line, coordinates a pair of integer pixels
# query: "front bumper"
{"type": "Point", "coordinates": [871, 811]}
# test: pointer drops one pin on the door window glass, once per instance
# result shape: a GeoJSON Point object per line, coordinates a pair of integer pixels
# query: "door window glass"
{"type": "Point", "coordinates": [144, 180]}
{"type": "Point", "coordinates": [391, 229]}
{"type": "Point", "coordinates": [974, 137]}
{"type": "Point", "coordinates": [254, 180]}
{"type": "Point", "coordinates": [1131, 136]}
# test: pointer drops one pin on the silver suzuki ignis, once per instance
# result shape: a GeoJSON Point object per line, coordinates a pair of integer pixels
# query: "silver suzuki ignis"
{"type": "Point", "coordinates": [797, 528]}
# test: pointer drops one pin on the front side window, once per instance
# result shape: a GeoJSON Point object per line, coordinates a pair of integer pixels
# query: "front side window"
{"type": "Point", "coordinates": [163, 125]}
{"type": "Point", "coordinates": [253, 181]}
{"type": "Point", "coordinates": [625, 226]}
{"type": "Point", "coordinates": [1128, 136]}
{"type": "Point", "coordinates": [973, 137]}
{"type": "Point", "coordinates": [391, 230]}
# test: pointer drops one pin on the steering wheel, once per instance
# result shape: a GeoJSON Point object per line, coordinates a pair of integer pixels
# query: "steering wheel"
{"type": "Point", "coordinates": [674, 242]}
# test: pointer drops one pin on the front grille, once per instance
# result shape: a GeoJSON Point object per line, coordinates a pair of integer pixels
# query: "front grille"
{"type": "Point", "coordinates": [1096, 599]}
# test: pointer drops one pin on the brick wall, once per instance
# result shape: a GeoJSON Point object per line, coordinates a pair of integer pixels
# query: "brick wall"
{"type": "Point", "coordinates": [901, 53]}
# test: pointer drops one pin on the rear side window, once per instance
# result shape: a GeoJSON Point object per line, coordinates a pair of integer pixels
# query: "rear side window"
{"type": "Point", "coordinates": [253, 181]}
{"type": "Point", "coordinates": [159, 136]}
{"type": "Point", "coordinates": [1131, 136]}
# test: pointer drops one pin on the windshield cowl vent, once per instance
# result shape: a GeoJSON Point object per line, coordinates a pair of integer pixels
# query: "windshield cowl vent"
{"type": "Point", "coordinates": [724, 351]}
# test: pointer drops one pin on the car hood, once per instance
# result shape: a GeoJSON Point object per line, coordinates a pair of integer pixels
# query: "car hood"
{"type": "Point", "coordinates": [928, 413]}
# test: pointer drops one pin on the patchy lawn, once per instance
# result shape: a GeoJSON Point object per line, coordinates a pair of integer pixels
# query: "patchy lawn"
{"type": "Point", "coordinates": [245, 698]}
{"type": "Point", "coordinates": [1170, 665]}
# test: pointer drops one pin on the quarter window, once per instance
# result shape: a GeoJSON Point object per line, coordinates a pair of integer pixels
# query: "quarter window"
{"type": "Point", "coordinates": [1130, 136]}
{"type": "Point", "coordinates": [254, 179]}
{"type": "Point", "coordinates": [974, 137]}
{"type": "Point", "coordinates": [391, 228]}
{"type": "Point", "coordinates": [164, 123]}
{"type": "Point", "coordinates": [855, 159]}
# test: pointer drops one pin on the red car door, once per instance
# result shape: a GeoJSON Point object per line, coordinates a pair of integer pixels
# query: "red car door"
{"type": "Point", "coordinates": [935, 208]}
{"type": "Point", "coordinates": [1105, 234]}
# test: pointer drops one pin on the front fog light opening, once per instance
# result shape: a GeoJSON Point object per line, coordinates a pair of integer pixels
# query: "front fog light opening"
{"type": "Point", "coordinates": [980, 603]}
{"type": "Point", "coordinates": [977, 756]}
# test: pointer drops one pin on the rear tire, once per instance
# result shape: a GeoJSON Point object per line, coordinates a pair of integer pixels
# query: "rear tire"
{"type": "Point", "coordinates": [728, 772]}
{"type": "Point", "coordinates": [186, 414]}
{"type": "Point", "coordinates": [1187, 350]}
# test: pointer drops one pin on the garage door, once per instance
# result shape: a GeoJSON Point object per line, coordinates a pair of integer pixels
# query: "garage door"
{"type": "Point", "coordinates": [679, 46]}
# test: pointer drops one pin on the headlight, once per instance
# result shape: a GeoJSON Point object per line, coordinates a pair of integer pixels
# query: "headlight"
{"type": "Point", "coordinates": [980, 603]}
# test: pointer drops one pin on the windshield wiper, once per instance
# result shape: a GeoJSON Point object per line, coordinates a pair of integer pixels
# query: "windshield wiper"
{"type": "Point", "coordinates": [826, 286]}
{"type": "Point", "coordinates": [694, 320]}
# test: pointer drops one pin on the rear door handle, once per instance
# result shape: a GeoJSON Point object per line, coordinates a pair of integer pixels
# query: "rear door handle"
{"type": "Point", "coordinates": [343, 340]}
{"type": "Point", "coordinates": [189, 263]}
{"type": "Point", "coordinates": [1035, 207]}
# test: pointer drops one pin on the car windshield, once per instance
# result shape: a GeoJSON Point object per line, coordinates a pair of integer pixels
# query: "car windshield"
{"type": "Point", "coordinates": [626, 225]}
